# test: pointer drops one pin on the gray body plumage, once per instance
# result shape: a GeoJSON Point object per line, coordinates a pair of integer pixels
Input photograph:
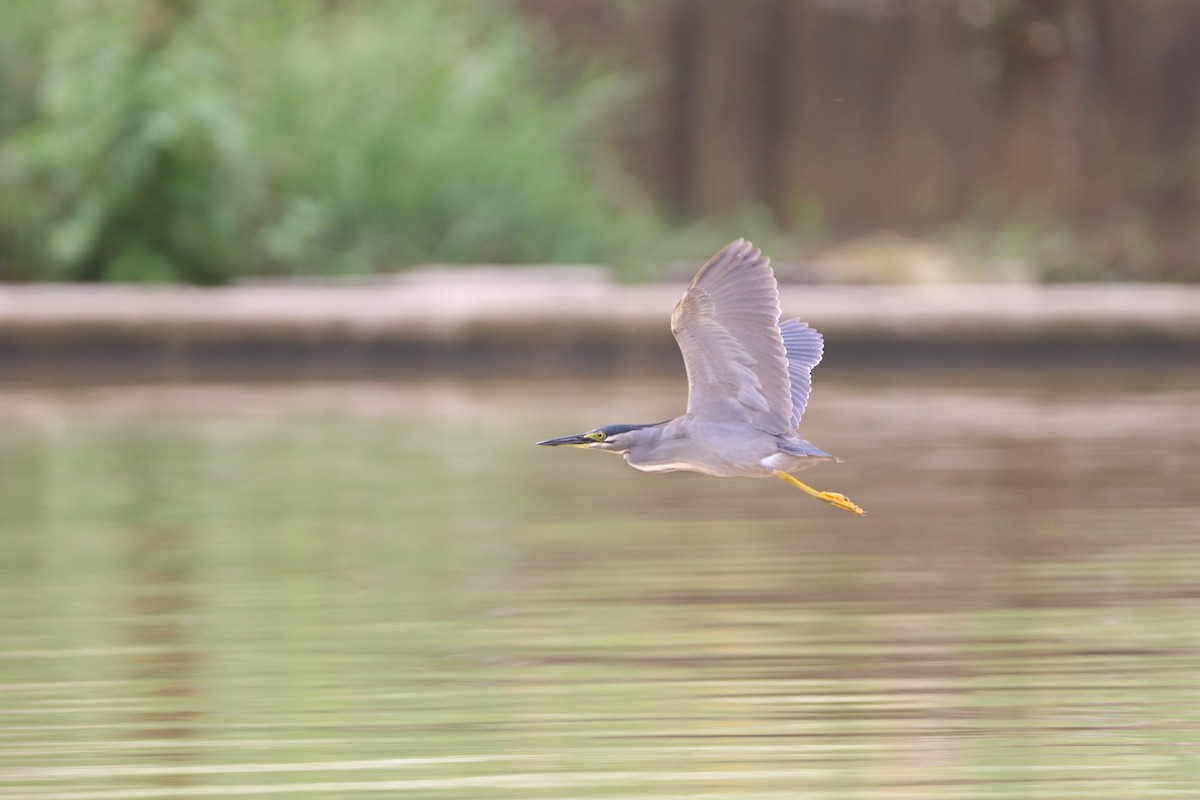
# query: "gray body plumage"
{"type": "Point", "coordinates": [726, 450]}
{"type": "Point", "coordinates": [749, 379]}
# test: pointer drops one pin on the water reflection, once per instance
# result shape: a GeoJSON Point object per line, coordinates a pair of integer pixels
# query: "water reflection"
{"type": "Point", "coordinates": [376, 589]}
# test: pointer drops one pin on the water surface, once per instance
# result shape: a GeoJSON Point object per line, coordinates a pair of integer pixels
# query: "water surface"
{"type": "Point", "coordinates": [384, 590]}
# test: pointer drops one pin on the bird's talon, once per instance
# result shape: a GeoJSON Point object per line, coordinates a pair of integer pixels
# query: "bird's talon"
{"type": "Point", "coordinates": [842, 502]}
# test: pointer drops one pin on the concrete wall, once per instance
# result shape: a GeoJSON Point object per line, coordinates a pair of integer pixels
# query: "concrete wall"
{"type": "Point", "coordinates": [497, 322]}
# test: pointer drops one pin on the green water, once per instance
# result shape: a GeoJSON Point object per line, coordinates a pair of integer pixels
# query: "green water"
{"type": "Point", "coordinates": [384, 590]}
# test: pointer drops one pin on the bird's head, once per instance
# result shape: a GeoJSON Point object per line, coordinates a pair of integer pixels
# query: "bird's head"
{"type": "Point", "coordinates": [613, 438]}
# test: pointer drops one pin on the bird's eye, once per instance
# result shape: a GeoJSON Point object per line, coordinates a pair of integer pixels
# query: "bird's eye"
{"type": "Point", "coordinates": [596, 436]}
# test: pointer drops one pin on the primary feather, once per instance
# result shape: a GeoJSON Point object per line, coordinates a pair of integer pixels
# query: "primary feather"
{"type": "Point", "coordinates": [727, 326]}
{"type": "Point", "coordinates": [804, 349]}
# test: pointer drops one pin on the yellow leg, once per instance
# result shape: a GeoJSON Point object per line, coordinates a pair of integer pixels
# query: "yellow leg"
{"type": "Point", "coordinates": [833, 498]}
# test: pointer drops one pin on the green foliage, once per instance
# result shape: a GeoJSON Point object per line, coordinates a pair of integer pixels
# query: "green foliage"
{"type": "Point", "coordinates": [200, 141]}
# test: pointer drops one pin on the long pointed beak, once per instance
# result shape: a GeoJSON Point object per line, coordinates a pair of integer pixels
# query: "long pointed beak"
{"type": "Point", "coordinates": [578, 439]}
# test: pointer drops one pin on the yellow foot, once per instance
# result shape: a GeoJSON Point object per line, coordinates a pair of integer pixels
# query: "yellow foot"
{"type": "Point", "coordinates": [833, 498]}
{"type": "Point", "coordinates": [841, 501]}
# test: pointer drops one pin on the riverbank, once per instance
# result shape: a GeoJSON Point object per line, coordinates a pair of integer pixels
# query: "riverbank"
{"type": "Point", "coordinates": [530, 319]}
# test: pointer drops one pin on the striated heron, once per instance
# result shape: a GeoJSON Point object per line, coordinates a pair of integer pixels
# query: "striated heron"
{"type": "Point", "coordinates": [749, 377]}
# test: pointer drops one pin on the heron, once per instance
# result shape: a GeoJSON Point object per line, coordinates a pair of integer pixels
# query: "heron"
{"type": "Point", "coordinates": [749, 377]}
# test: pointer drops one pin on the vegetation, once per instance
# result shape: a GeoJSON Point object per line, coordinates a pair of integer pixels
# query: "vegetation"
{"type": "Point", "coordinates": [207, 140]}
{"type": "Point", "coordinates": [202, 141]}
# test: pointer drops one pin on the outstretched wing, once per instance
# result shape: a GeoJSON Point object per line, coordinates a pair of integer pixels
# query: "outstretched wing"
{"type": "Point", "coordinates": [804, 348]}
{"type": "Point", "coordinates": [727, 326]}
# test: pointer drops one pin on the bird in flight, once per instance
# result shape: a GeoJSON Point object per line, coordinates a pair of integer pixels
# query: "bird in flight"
{"type": "Point", "coordinates": [749, 377]}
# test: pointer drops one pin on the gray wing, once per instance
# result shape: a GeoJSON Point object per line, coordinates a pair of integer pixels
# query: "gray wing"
{"type": "Point", "coordinates": [804, 348]}
{"type": "Point", "coordinates": [727, 326]}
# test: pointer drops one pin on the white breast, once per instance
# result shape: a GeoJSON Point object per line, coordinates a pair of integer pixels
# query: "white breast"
{"type": "Point", "coordinates": [666, 466]}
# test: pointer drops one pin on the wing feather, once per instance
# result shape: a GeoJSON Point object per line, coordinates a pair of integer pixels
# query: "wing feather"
{"type": "Point", "coordinates": [727, 326]}
{"type": "Point", "coordinates": [804, 348]}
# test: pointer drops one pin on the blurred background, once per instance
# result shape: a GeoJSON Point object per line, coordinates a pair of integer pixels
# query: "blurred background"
{"type": "Point", "coordinates": [286, 534]}
{"type": "Point", "coordinates": [858, 140]}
